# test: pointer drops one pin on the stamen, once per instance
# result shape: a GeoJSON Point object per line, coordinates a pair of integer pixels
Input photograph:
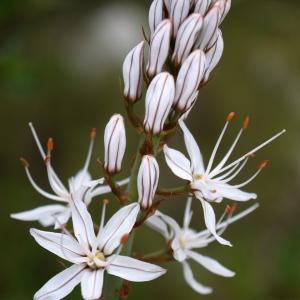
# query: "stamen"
{"type": "Point", "coordinates": [235, 174]}
{"type": "Point", "coordinates": [24, 162]}
{"type": "Point", "coordinates": [247, 181]}
{"type": "Point", "coordinates": [50, 145]}
{"type": "Point", "coordinates": [212, 157]}
{"type": "Point", "coordinates": [263, 164]}
{"type": "Point", "coordinates": [93, 133]}
{"type": "Point", "coordinates": [124, 239]}
{"type": "Point", "coordinates": [41, 191]}
{"type": "Point", "coordinates": [230, 116]}
{"type": "Point", "coordinates": [37, 141]}
{"type": "Point", "coordinates": [252, 152]}
{"type": "Point", "coordinates": [105, 203]}
{"type": "Point", "coordinates": [246, 122]}
{"type": "Point", "coordinates": [230, 209]}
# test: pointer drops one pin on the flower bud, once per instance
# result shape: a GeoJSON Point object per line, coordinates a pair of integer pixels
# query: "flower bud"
{"type": "Point", "coordinates": [209, 28]}
{"type": "Point", "coordinates": [187, 33]}
{"type": "Point", "coordinates": [189, 77]}
{"type": "Point", "coordinates": [147, 180]}
{"type": "Point", "coordinates": [202, 6]}
{"type": "Point", "coordinates": [179, 12]}
{"type": "Point", "coordinates": [133, 73]}
{"type": "Point", "coordinates": [159, 48]}
{"type": "Point", "coordinates": [156, 15]}
{"type": "Point", "coordinates": [214, 54]}
{"type": "Point", "coordinates": [159, 100]}
{"type": "Point", "coordinates": [224, 7]}
{"type": "Point", "coordinates": [114, 144]}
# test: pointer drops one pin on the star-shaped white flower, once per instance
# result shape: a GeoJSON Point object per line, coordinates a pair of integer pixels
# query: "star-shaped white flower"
{"type": "Point", "coordinates": [92, 255]}
{"type": "Point", "coordinates": [184, 240]}
{"type": "Point", "coordinates": [82, 183]}
{"type": "Point", "coordinates": [212, 184]}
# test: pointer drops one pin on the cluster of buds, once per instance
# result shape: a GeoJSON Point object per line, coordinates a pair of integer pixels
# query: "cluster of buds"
{"type": "Point", "coordinates": [185, 45]}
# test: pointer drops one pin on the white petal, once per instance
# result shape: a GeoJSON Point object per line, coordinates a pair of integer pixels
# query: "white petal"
{"type": "Point", "coordinates": [82, 178]}
{"type": "Point", "coordinates": [92, 284]}
{"type": "Point", "coordinates": [61, 285]}
{"type": "Point", "coordinates": [46, 215]}
{"type": "Point", "coordinates": [132, 269]}
{"type": "Point", "coordinates": [120, 224]}
{"type": "Point", "coordinates": [178, 163]}
{"type": "Point", "coordinates": [60, 244]}
{"type": "Point", "coordinates": [226, 191]}
{"type": "Point", "coordinates": [210, 222]}
{"type": "Point", "coordinates": [82, 223]}
{"type": "Point", "coordinates": [62, 218]}
{"type": "Point", "coordinates": [210, 264]}
{"type": "Point", "coordinates": [170, 221]}
{"type": "Point", "coordinates": [189, 278]}
{"type": "Point", "coordinates": [157, 224]}
{"type": "Point", "coordinates": [193, 150]}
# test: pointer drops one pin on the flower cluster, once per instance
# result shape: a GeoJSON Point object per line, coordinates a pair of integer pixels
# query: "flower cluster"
{"type": "Point", "coordinates": [184, 46]}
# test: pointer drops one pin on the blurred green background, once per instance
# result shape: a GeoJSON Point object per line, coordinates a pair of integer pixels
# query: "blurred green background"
{"type": "Point", "coordinates": [60, 67]}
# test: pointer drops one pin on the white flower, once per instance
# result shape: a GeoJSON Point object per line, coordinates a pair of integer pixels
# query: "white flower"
{"type": "Point", "coordinates": [92, 255]}
{"type": "Point", "coordinates": [114, 144]}
{"type": "Point", "coordinates": [59, 214]}
{"type": "Point", "coordinates": [213, 184]}
{"type": "Point", "coordinates": [202, 6]}
{"type": "Point", "coordinates": [147, 180]}
{"type": "Point", "coordinates": [184, 240]}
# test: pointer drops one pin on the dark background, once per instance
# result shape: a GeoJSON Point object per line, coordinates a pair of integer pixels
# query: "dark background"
{"type": "Point", "coordinates": [60, 67]}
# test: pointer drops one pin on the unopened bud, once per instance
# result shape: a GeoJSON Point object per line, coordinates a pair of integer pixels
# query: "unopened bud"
{"type": "Point", "coordinates": [133, 73]}
{"type": "Point", "coordinates": [114, 144]}
{"type": "Point", "coordinates": [159, 99]}
{"type": "Point", "coordinates": [224, 7]}
{"type": "Point", "coordinates": [189, 77]}
{"type": "Point", "coordinates": [209, 28]}
{"type": "Point", "coordinates": [156, 15]}
{"type": "Point", "coordinates": [185, 40]}
{"type": "Point", "coordinates": [214, 54]}
{"type": "Point", "coordinates": [159, 48]}
{"type": "Point", "coordinates": [202, 6]}
{"type": "Point", "coordinates": [179, 11]}
{"type": "Point", "coordinates": [147, 180]}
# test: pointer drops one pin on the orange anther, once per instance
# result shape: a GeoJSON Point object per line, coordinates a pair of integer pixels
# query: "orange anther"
{"type": "Point", "coordinates": [230, 116]}
{"type": "Point", "coordinates": [246, 122]}
{"type": "Point", "coordinates": [24, 162]}
{"type": "Point", "coordinates": [50, 144]}
{"type": "Point", "coordinates": [124, 239]}
{"type": "Point", "coordinates": [93, 133]}
{"type": "Point", "coordinates": [263, 164]}
{"type": "Point", "coordinates": [105, 201]}
{"type": "Point", "coordinates": [230, 209]}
